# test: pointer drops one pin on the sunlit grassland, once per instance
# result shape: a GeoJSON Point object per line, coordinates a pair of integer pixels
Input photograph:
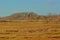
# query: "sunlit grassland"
{"type": "Point", "coordinates": [30, 30]}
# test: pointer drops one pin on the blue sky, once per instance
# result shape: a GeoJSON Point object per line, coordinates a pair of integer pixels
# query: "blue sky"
{"type": "Point", "coordinates": [7, 7]}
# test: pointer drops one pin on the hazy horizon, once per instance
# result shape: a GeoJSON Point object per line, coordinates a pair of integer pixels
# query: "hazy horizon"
{"type": "Point", "coordinates": [42, 7]}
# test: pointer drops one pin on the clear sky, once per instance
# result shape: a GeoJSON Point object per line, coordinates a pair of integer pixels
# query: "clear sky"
{"type": "Point", "coordinates": [8, 7]}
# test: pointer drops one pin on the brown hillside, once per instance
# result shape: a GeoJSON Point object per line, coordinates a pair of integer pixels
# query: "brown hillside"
{"type": "Point", "coordinates": [29, 16]}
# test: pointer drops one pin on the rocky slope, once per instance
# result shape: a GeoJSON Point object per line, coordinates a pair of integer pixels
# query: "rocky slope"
{"type": "Point", "coordinates": [29, 16]}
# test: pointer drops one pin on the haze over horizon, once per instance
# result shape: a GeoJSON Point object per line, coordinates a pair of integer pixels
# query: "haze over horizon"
{"type": "Point", "coordinates": [7, 7]}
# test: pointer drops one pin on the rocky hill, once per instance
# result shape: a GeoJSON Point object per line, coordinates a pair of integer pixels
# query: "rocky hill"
{"type": "Point", "coordinates": [29, 16]}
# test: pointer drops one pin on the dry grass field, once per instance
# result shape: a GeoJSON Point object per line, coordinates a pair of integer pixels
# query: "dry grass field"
{"type": "Point", "coordinates": [30, 30]}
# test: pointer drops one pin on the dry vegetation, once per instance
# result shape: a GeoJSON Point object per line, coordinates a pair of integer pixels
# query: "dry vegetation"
{"type": "Point", "coordinates": [42, 28]}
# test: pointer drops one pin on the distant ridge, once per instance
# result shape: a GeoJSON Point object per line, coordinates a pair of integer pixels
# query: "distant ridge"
{"type": "Point", "coordinates": [29, 16]}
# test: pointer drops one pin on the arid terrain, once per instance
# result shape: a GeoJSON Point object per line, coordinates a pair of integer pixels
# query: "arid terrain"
{"type": "Point", "coordinates": [30, 26]}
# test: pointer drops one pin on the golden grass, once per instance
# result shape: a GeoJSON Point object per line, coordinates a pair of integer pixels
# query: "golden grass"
{"type": "Point", "coordinates": [30, 30]}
